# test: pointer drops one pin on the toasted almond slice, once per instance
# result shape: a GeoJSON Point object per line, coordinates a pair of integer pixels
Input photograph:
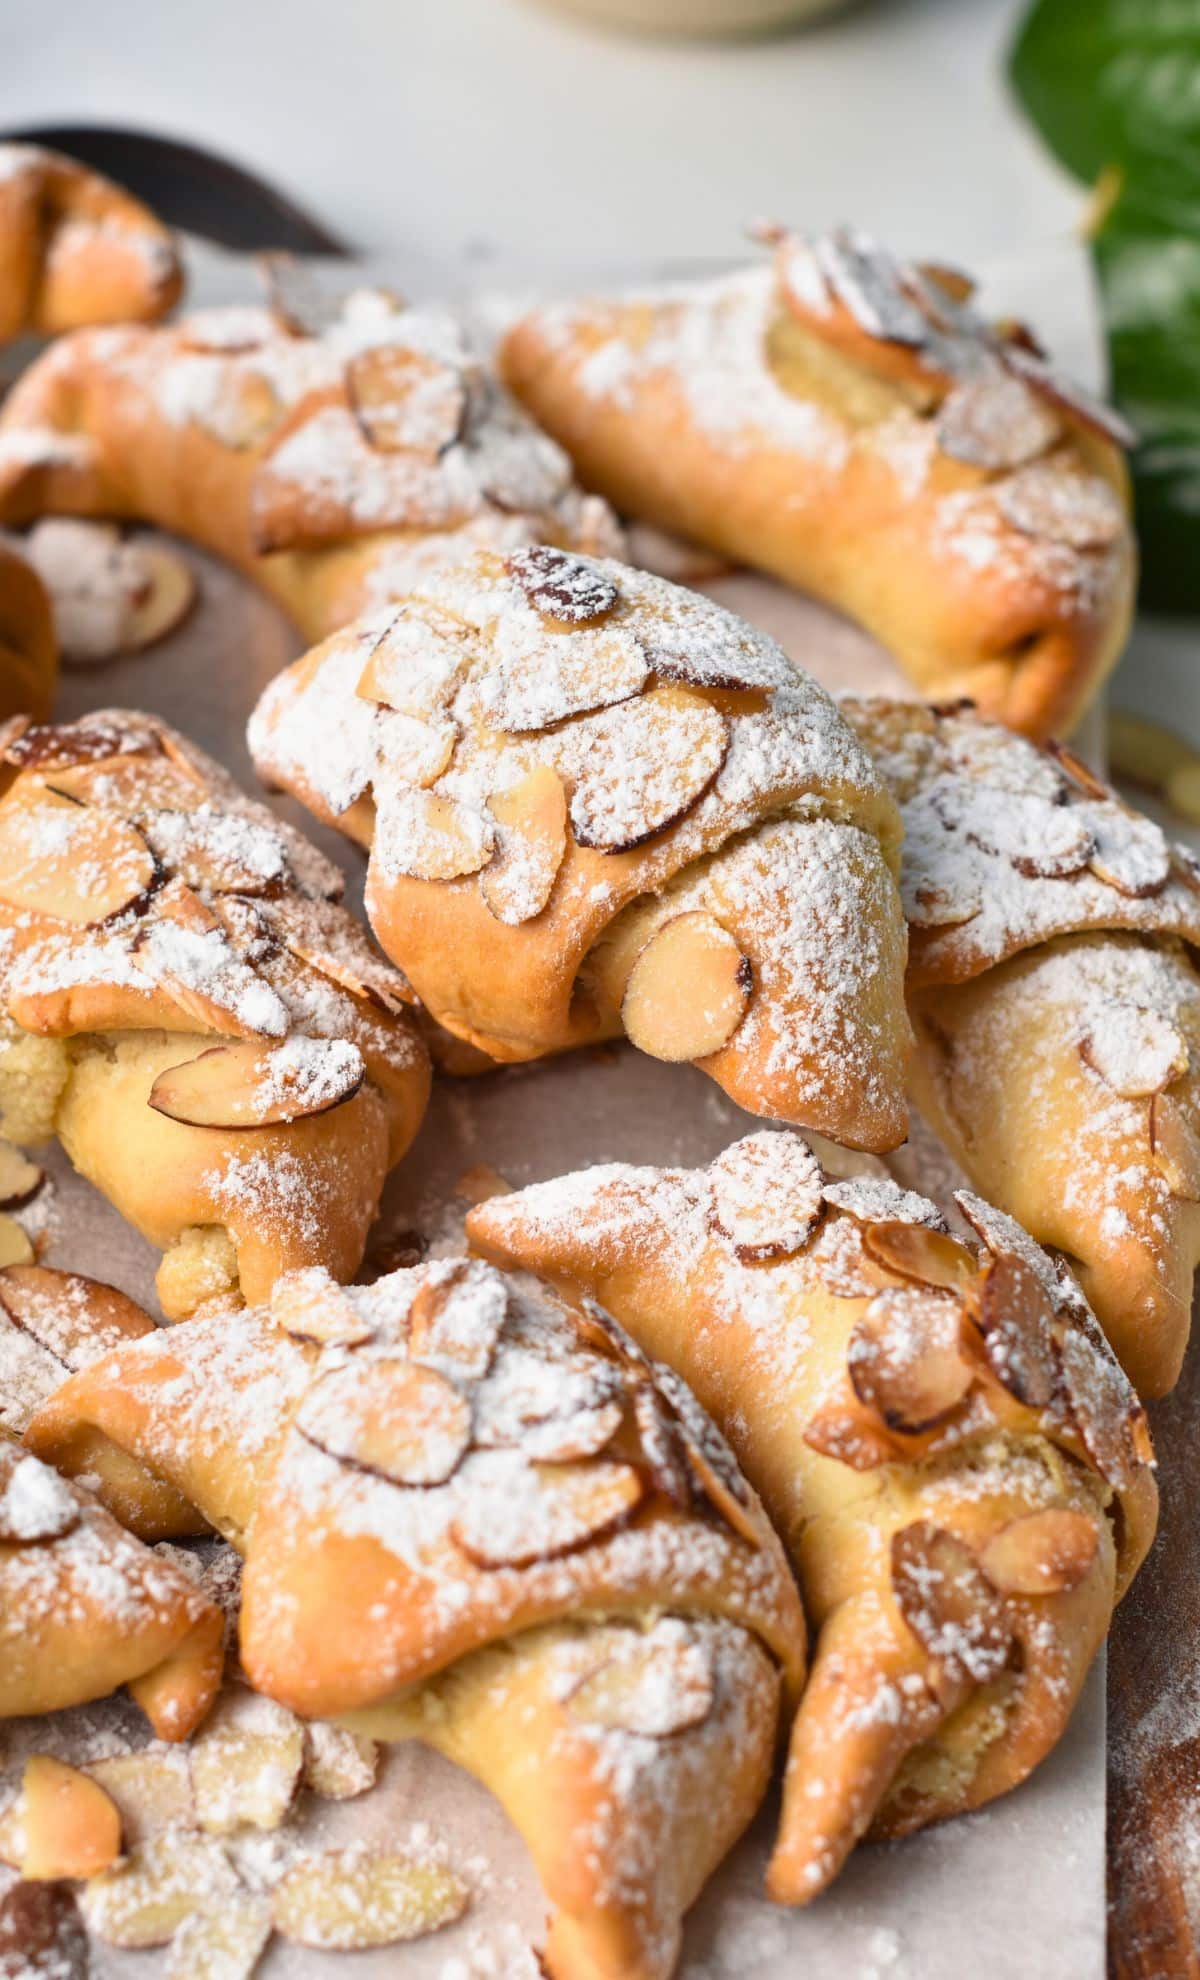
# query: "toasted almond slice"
{"type": "Point", "coordinates": [224, 1942]}
{"type": "Point", "coordinates": [219, 852]}
{"type": "Point", "coordinates": [151, 1790]}
{"type": "Point", "coordinates": [41, 1934]}
{"type": "Point", "coordinates": [652, 1685]}
{"type": "Point", "coordinates": [36, 1505]}
{"type": "Point", "coordinates": [145, 1897]}
{"type": "Point", "coordinates": [63, 745]}
{"type": "Point", "coordinates": [183, 947]}
{"type": "Point", "coordinates": [905, 1357]}
{"type": "Point", "coordinates": [20, 1179]}
{"type": "Point", "coordinates": [49, 1304]}
{"type": "Point", "coordinates": [688, 991]}
{"type": "Point", "coordinates": [246, 411]}
{"type": "Point", "coordinates": [598, 1330]}
{"type": "Point", "coordinates": [398, 1419]}
{"type": "Point", "coordinates": [1175, 1147]}
{"type": "Point", "coordinates": [1044, 841]}
{"type": "Point", "coordinates": [244, 1085]}
{"type": "Point", "coordinates": [1024, 356]}
{"type": "Point", "coordinates": [406, 401]}
{"type": "Point", "coordinates": [948, 1602]}
{"type": "Point", "coordinates": [417, 751]}
{"type": "Point", "coordinates": [641, 766]}
{"type": "Point", "coordinates": [547, 1409]}
{"type": "Point", "coordinates": [933, 902]}
{"type": "Point", "coordinates": [1131, 852]}
{"type": "Point", "coordinates": [540, 681]}
{"type": "Point", "coordinates": [1105, 1414]}
{"type": "Point", "coordinates": [167, 597]}
{"type": "Point", "coordinates": [311, 1305]}
{"type": "Point", "coordinates": [71, 1828]}
{"type": "Point", "coordinates": [838, 1430]}
{"type": "Point", "coordinates": [16, 1247]}
{"type": "Point", "coordinates": [351, 1899]}
{"type": "Point", "coordinates": [712, 1463]}
{"type": "Point", "coordinates": [879, 1200]}
{"type": "Point", "coordinates": [766, 1195]}
{"type": "Point", "coordinates": [1050, 501]}
{"type": "Point", "coordinates": [565, 589]}
{"type": "Point", "coordinates": [994, 421]}
{"type": "Point", "coordinates": [1042, 1553]}
{"type": "Point", "coordinates": [1016, 1317]}
{"type": "Point", "coordinates": [531, 841]}
{"type": "Point", "coordinates": [75, 862]}
{"type": "Point", "coordinates": [456, 1317]}
{"type": "Point", "coordinates": [549, 1510]}
{"type": "Point", "coordinates": [921, 1254]}
{"type": "Point", "coordinates": [432, 837]}
{"type": "Point", "coordinates": [338, 1764]}
{"type": "Point", "coordinates": [325, 938]}
{"type": "Point", "coordinates": [415, 665]}
{"type": "Point", "coordinates": [246, 1762]}
{"type": "Point", "coordinates": [662, 1446]}
{"type": "Point", "coordinates": [1134, 1050]}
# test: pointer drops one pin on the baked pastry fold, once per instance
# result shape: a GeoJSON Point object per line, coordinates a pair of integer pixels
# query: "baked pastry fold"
{"type": "Point", "coordinates": [854, 426]}
{"type": "Point", "coordinates": [596, 803]}
{"type": "Point", "coordinates": [76, 249]}
{"type": "Point", "coordinates": [183, 1003]}
{"type": "Point", "coordinates": [477, 1515]}
{"type": "Point", "coordinates": [86, 1608]}
{"type": "Point", "coordinates": [959, 1470]}
{"type": "Point", "coordinates": [28, 646]}
{"type": "Point", "coordinates": [1056, 1004]}
{"type": "Point", "coordinates": [327, 451]}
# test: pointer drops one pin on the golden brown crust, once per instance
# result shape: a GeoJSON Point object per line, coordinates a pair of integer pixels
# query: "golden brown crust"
{"type": "Point", "coordinates": [942, 1436]}
{"type": "Point", "coordinates": [1056, 1004]}
{"type": "Point", "coordinates": [76, 249]}
{"type": "Point", "coordinates": [235, 1057]}
{"type": "Point", "coordinates": [925, 474]}
{"type": "Point", "coordinates": [240, 429]}
{"type": "Point", "coordinates": [28, 647]}
{"type": "Point", "coordinates": [561, 765]}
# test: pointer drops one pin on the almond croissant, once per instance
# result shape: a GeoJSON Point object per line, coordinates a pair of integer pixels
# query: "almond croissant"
{"type": "Point", "coordinates": [213, 1039]}
{"type": "Point", "coordinates": [597, 803]}
{"type": "Point", "coordinates": [475, 1515]}
{"type": "Point", "coordinates": [957, 1466]}
{"type": "Point", "coordinates": [1056, 1004]}
{"type": "Point", "coordinates": [28, 646]}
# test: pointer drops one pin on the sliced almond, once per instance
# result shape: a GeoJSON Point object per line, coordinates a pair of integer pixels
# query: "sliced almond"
{"type": "Point", "coordinates": [456, 1318]}
{"type": "Point", "coordinates": [245, 413]}
{"type": "Point", "coordinates": [766, 1195]}
{"type": "Point", "coordinates": [41, 1934]}
{"type": "Point", "coordinates": [224, 1942]}
{"type": "Point", "coordinates": [1042, 1553]}
{"type": "Point", "coordinates": [20, 1179]}
{"type": "Point", "coordinates": [547, 678]}
{"type": "Point", "coordinates": [63, 745]}
{"type": "Point", "coordinates": [1134, 1050]}
{"type": "Point", "coordinates": [548, 1510]}
{"type": "Point", "coordinates": [351, 1899]}
{"type": "Point", "coordinates": [1054, 503]}
{"type": "Point", "coordinates": [415, 666]}
{"type": "Point", "coordinates": [879, 1200]}
{"type": "Point", "coordinates": [432, 837]}
{"type": "Point", "coordinates": [598, 1330]}
{"type": "Point", "coordinates": [1023, 355]}
{"type": "Point", "coordinates": [905, 1357]}
{"type": "Point", "coordinates": [1131, 853]}
{"type": "Point", "coordinates": [325, 938]}
{"type": "Point", "coordinates": [246, 1762]}
{"type": "Point", "coordinates": [1043, 840]}
{"type": "Point", "coordinates": [994, 421]}
{"type": "Point", "coordinates": [151, 1790]}
{"type": "Point", "coordinates": [166, 598]}
{"type": "Point", "coordinates": [397, 1419]}
{"type": "Point", "coordinates": [563, 588]}
{"type": "Point", "coordinates": [299, 303]}
{"type": "Point", "coordinates": [74, 862]}
{"type": "Point", "coordinates": [338, 1764]}
{"type": "Point", "coordinates": [1101, 1404]}
{"type": "Point", "coordinates": [36, 1505]}
{"type": "Point", "coordinates": [145, 1897]}
{"type": "Point", "coordinates": [406, 401]}
{"type": "Point", "coordinates": [652, 1685]}
{"type": "Point", "coordinates": [217, 851]}
{"type": "Point", "coordinates": [948, 1602]}
{"type": "Point", "coordinates": [531, 842]}
{"type": "Point", "coordinates": [312, 1306]}
{"type": "Point", "coordinates": [1016, 1317]}
{"type": "Point", "coordinates": [688, 991]}
{"type": "Point", "coordinates": [663, 1448]}
{"type": "Point", "coordinates": [1175, 1147]}
{"type": "Point", "coordinates": [16, 1247]}
{"type": "Point", "coordinates": [417, 752]}
{"type": "Point", "coordinates": [70, 1826]}
{"type": "Point", "coordinates": [925, 1256]}
{"type": "Point", "coordinates": [244, 1085]}
{"type": "Point", "coordinates": [183, 947]}
{"type": "Point", "coordinates": [837, 1430]}
{"type": "Point", "coordinates": [551, 1410]}
{"type": "Point", "coordinates": [932, 902]}
{"type": "Point", "coordinates": [712, 1463]}
{"type": "Point", "coordinates": [641, 766]}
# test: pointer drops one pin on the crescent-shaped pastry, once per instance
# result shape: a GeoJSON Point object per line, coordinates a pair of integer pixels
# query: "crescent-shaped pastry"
{"type": "Point", "coordinates": [476, 1515]}
{"type": "Point", "coordinates": [76, 249]}
{"type": "Point", "coordinates": [214, 1041]}
{"type": "Point", "coordinates": [28, 646]}
{"type": "Point", "coordinates": [854, 426]}
{"type": "Point", "coordinates": [940, 1433]}
{"type": "Point", "coordinates": [328, 455]}
{"type": "Point", "coordinates": [1056, 1004]}
{"type": "Point", "coordinates": [85, 1608]}
{"type": "Point", "coordinates": [597, 803]}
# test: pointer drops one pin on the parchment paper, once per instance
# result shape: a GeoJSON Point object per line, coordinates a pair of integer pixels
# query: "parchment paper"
{"type": "Point", "coordinates": [1013, 1891]}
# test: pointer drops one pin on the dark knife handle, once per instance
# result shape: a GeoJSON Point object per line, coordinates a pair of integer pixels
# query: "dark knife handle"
{"type": "Point", "coordinates": [191, 187]}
